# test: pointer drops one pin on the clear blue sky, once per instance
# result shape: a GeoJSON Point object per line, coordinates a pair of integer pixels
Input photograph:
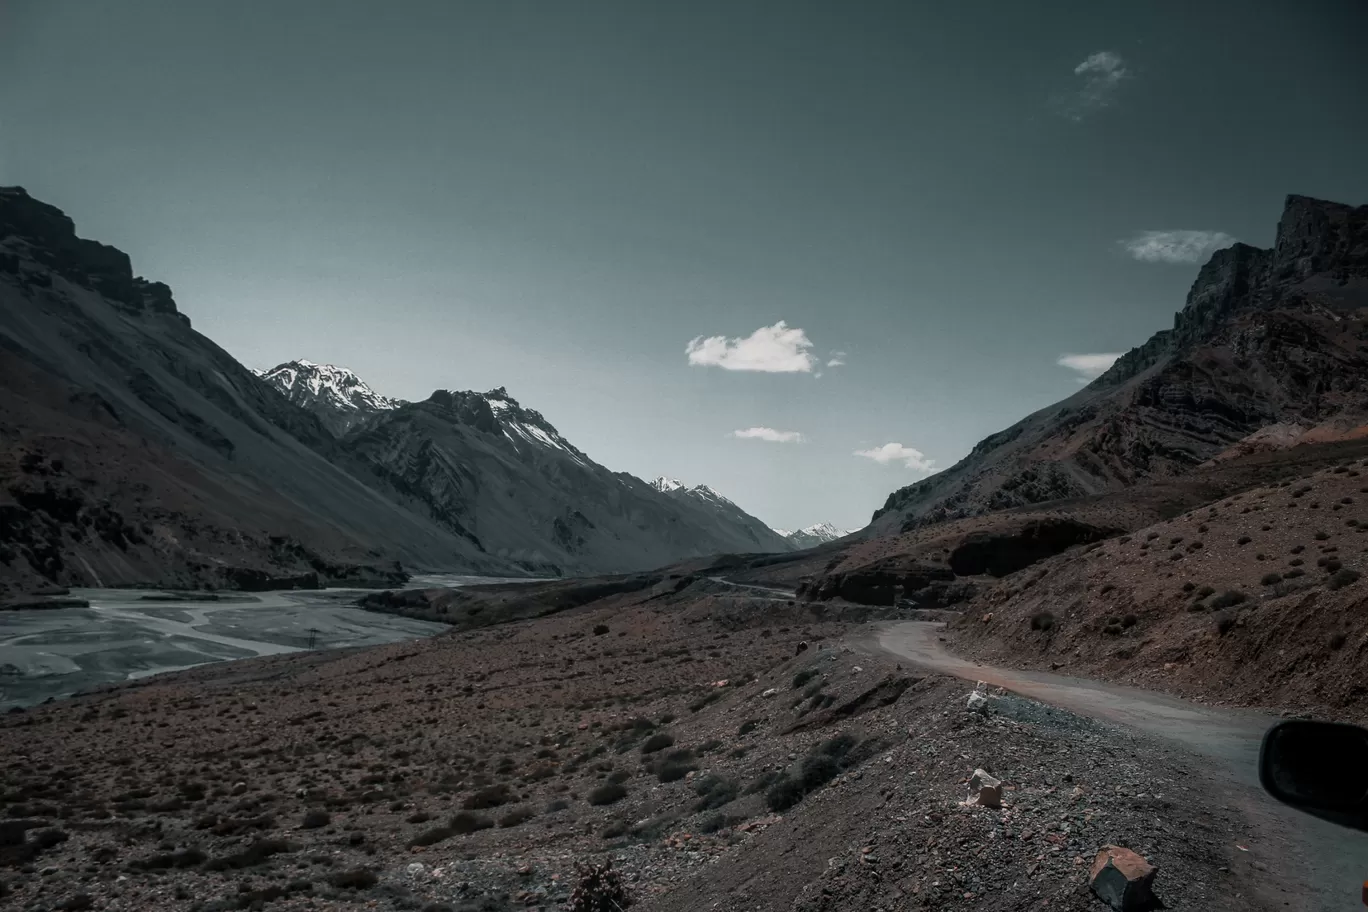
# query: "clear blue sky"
{"type": "Point", "coordinates": [559, 197]}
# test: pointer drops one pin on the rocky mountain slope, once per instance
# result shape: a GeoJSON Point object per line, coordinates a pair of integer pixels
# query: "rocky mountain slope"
{"type": "Point", "coordinates": [1253, 598]}
{"type": "Point", "coordinates": [1267, 337]}
{"type": "Point", "coordinates": [727, 513]}
{"type": "Point", "coordinates": [501, 476]}
{"type": "Point", "coordinates": [340, 399]}
{"type": "Point", "coordinates": [812, 536]}
{"type": "Point", "coordinates": [135, 450]}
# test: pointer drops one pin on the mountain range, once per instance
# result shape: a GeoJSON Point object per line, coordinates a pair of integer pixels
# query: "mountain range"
{"type": "Point", "coordinates": [814, 535]}
{"type": "Point", "coordinates": [138, 452]}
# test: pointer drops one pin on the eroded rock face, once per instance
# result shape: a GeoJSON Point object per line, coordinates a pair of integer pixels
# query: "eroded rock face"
{"type": "Point", "coordinates": [1001, 553]}
{"type": "Point", "coordinates": [1265, 336]}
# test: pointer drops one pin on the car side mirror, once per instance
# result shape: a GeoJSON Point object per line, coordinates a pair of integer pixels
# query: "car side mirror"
{"type": "Point", "coordinates": [1318, 767]}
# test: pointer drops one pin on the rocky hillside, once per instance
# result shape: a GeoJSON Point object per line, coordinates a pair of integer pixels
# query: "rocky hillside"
{"type": "Point", "coordinates": [1254, 598]}
{"type": "Point", "coordinates": [502, 477]}
{"type": "Point", "coordinates": [701, 497]}
{"type": "Point", "coordinates": [135, 450]}
{"type": "Point", "coordinates": [1267, 338]}
{"type": "Point", "coordinates": [341, 400]}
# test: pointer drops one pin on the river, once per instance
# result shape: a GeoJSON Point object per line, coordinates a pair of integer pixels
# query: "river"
{"type": "Point", "coordinates": [132, 633]}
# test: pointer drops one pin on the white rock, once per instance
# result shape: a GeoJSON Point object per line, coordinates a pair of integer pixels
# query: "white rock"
{"type": "Point", "coordinates": [978, 702]}
{"type": "Point", "coordinates": [415, 869]}
{"type": "Point", "coordinates": [771, 692]}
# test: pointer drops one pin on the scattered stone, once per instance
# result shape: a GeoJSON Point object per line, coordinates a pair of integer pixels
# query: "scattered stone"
{"type": "Point", "coordinates": [984, 790]}
{"type": "Point", "coordinates": [1122, 879]}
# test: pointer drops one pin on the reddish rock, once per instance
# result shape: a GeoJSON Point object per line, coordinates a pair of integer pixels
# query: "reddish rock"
{"type": "Point", "coordinates": [1122, 879]}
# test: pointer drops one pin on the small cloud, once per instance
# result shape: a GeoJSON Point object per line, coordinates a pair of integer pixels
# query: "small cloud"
{"type": "Point", "coordinates": [776, 349]}
{"type": "Point", "coordinates": [1175, 246]}
{"type": "Point", "coordinates": [837, 359]}
{"type": "Point", "coordinates": [1089, 367]}
{"type": "Point", "coordinates": [1101, 73]}
{"type": "Point", "coordinates": [768, 434]}
{"type": "Point", "coordinates": [896, 452]}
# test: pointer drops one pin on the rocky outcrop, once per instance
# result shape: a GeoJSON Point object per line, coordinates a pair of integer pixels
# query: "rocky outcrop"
{"type": "Point", "coordinates": [998, 553]}
{"type": "Point", "coordinates": [1265, 337]}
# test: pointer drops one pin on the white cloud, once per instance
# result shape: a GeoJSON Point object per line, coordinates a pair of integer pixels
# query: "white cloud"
{"type": "Point", "coordinates": [896, 452]}
{"type": "Point", "coordinates": [1175, 246]}
{"type": "Point", "coordinates": [1101, 73]}
{"type": "Point", "coordinates": [768, 434]}
{"type": "Point", "coordinates": [776, 349]}
{"type": "Point", "coordinates": [837, 359]}
{"type": "Point", "coordinates": [1089, 367]}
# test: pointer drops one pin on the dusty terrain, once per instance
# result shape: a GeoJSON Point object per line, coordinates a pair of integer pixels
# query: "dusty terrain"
{"type": "Point", "coordinates": [1255, 599]}
{"type": "Point", "coordinates": [715, 763]}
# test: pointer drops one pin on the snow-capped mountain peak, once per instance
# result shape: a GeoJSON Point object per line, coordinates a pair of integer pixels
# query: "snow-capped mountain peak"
{"type": "Point", "coordinates": [335, 386]}
{"type": "Point", "coordinates": [816, 534]}
{"type": "Point", "coordinates": [666, 485]}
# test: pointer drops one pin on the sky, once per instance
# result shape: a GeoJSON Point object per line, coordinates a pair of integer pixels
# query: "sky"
{"type": "Point", "coordinates": [805, 253]}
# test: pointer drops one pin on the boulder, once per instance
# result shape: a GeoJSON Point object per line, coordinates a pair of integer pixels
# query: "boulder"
{"type": "Point", "coordinates": [978, 700]}
{"type": "Point", "coordinates": [985, 790]}
{"type": "Point", "coordinates": [1122, 879]}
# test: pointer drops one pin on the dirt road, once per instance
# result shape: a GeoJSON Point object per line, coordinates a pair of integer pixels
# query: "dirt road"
{"type": "Point", "coordinates": [1319, 867]}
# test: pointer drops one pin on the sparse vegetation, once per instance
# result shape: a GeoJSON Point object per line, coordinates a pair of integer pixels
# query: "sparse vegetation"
{"type": "Point", "coordinates": [610, 793]}
{"type": "Point", "coordinates": [1229, 599]}
{"type": "Point", "coordinates": [1341, 578]}
{"type": "Point", "coordinates": [658, 741]}
{"type": "Point", "coordinates": [1042, 620]}
{"type": "Point", "coordinates": [1269, 579]}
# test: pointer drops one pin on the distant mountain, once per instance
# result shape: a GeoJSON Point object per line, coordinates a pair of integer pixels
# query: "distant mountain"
{"type": "Point", "coordinates": [758, 536]}
{"type": "Point", "coordinates": [1268, 351]}
{"type": "Point", "coordinates": [339, 398]}
{"type": "Point", "coordinates": [813, 536]}
{"type": "Point", "coordinates": [501, 476]}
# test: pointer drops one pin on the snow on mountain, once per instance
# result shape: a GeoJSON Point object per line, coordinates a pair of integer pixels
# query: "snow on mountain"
{"type": "Point", "coordinates": [666, 485]}
{"type": "Point", "coordinates": [814, 535]}
{"type": "Point", "coordinates": [527, 425]}
{"type": "Point", "coordinates": [337, 395]}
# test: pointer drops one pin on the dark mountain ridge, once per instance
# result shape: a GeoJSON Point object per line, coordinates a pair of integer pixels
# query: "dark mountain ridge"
{"type": "Point", "coordinates": [1267, 338]}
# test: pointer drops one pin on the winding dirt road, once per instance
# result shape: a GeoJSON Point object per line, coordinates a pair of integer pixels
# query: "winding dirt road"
{"type": "Point", "coordinates": [1317, 866]}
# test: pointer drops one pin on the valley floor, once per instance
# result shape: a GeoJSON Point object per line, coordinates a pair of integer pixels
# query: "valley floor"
{"type": "Point", "coordinates": [717, 768]}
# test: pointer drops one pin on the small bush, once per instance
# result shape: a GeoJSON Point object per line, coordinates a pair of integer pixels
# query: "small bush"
{"type": "Point", "coordinates": [1294, 573]}
{"type": "Point", "coordinates": [315, 819]}
{"type": "Point", "coordinates": [607, 794]}
{"type": "Point", "coordinates": [1330, 564]}
{"type": "Point", "coordinates": [1042, 620]}
{"type": "Point", "coordinates": [1204, 592]}
{"type": "Point", "coordinates": [1225, 622]}
{"type": "Point", "coordinates": [355, 879]}
{"type": "Point", "coordinates": [1243, 540]}
{"type": "Point", "coordinates": [1189, 586]}
{"type": "Point", "coordinates": [676, 766]}
{"type": "Point", "coordinates": [657, 742]}
{"type": "Point", "coordinates": [1229, 599]}
{"type": "Point", "coordinates": [1269, 579]}
{"type": "Point", "coordinates": [515, 817]}
{"type": "Point", "coordinates": [600, 629]}
{"type": "Point", "coordinates": [802, 677]}
{"type": "Point", "coordinates": [748, 726]}
{"type": "Point", "coordinates": [1106, 588]}
{"type": "Point", "coordinates": [599, 889]}
{"type": "Point", "coordinates": [1129, 620]}
{"type": "Point", "coordinates": [1321, 536]}
{"type": "Point", "coordinates": [465, 823]}
{"type": "Point", "coordinates": [1342, 578]}
{"type": "Point", "coordinates": [433, 836]}
{"type": "Point", "coordinates": [490, 797]}
{"type": "Point", "coordinates": [614, 830]}
{"type": "Point", "coordinates": [713, 792]}
{"type": "Point", "coordinates": [1338, 640]}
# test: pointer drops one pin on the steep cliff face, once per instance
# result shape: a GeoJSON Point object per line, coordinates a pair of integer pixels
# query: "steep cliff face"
{"type": "Point", "coordinates": [1266, 337]}
{"type": "Point", "coordinates": [135, 450]}
{"type": "Point", "coordinates": [502, 477]}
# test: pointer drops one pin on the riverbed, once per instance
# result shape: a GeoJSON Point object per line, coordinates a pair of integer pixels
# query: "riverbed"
{"type": "Point", "coordinates": [127, 634]}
